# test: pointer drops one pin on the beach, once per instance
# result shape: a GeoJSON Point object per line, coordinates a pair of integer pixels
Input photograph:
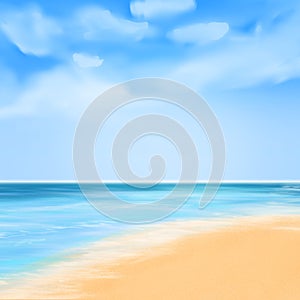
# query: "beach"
{"type": "Point", "coordinates": [248, 258]}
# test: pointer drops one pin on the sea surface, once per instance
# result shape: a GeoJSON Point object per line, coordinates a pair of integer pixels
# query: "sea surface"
{"type": "Point", "coordinates": [39, 221]}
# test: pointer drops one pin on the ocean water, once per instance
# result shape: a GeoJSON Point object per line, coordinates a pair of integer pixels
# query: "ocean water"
{"type": "Point", "coordinates": [39, 221]}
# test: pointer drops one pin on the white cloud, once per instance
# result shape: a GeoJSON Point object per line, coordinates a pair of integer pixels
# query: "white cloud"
{"type": "Point", "coordinates": [100, 24]}
{"type": "Point", "coordinates": [267, 56]}
{"type": "Point", "coordinates": [153, 8]}
{"type": "Point", "coordinates": [30, 31]}
{"type": "Point", "coordinates": [87, 61]}
{"type": "Point", "coordinates": [65, 89]}
{"type": "Point", "coordinates": [201, 33]}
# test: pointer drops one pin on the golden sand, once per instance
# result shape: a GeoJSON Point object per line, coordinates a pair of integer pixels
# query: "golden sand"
{"type": "Point", "coordinates": [257, 260]}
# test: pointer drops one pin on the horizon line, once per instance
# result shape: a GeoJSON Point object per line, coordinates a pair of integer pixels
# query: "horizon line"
{"type": "Point", "coordinates": [165, 181]}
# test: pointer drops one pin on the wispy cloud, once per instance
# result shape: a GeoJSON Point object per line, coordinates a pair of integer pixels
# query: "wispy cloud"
{"type": "Point", "coordinates": [200, 33]}
{"type": "Point", "coordinates": [101, 24]}
{"type": "Point", "coordinates": [65, 89]}
{"type": "Point", "coordinates": [87, 61]}
{"type": "Point", "coordinates": [30, 30]}
{"type": "Point", "coordinates": [266, 56]}
{"type": "Point", "coordinates": [153, 8]}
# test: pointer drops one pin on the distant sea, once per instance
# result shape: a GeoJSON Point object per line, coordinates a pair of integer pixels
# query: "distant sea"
{"type": "Point", "coordinates": [39, 221]}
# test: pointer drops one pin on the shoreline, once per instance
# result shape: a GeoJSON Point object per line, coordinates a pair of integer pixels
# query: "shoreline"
{"type": "Point", "coordinates": [98, 270]}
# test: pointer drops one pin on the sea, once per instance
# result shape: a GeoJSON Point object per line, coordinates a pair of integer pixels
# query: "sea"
{"type": "Point", "coordinates": [40, 221]}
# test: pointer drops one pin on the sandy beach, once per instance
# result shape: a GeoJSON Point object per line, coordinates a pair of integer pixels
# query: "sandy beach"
{"type": "Point", "coordinates": [250, 259]}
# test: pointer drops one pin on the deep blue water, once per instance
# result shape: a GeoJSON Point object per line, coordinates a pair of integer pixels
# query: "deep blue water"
{"type": "Point", "coordinates": [39, 221]}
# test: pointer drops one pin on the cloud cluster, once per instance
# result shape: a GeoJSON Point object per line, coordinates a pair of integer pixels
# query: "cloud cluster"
{"type": "Point", "coordinates": [35, 33]}
{"type": "Point", "coordinates": [269, 54]}
{"type": "Point", "coordinates": [64, 88]}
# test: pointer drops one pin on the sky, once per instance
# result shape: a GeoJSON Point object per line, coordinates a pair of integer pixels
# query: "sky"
{"type": "Point", "coordinates": [242, 57]}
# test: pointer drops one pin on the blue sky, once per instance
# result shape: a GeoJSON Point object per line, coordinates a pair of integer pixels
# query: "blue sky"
{"type": "Point", "coordinates": [243, 57]}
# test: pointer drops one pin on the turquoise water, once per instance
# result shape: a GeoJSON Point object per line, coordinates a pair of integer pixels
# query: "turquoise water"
{"type": "Point", "coordinates": [40, 221]}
